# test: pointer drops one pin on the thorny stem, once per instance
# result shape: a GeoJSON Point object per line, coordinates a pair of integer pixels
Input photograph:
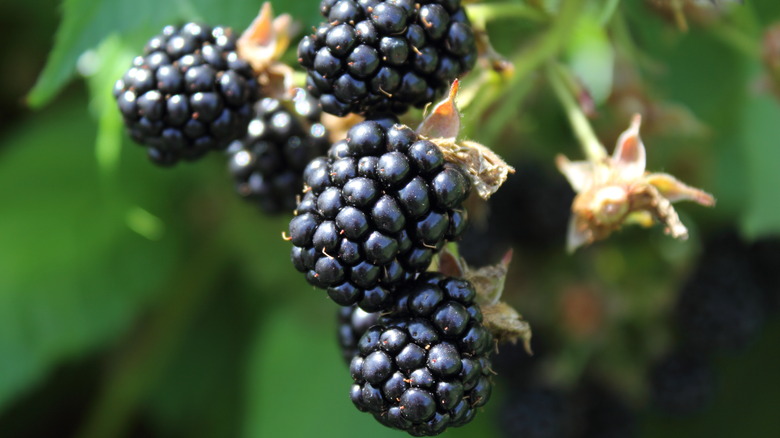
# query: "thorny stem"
{"type": "Point", "coordinates": [591, 146]}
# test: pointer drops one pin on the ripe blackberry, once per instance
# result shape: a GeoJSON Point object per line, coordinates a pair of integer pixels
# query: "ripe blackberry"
{"type": "Point", "coordinates": [353, 322]}
{"type": "Point", "coordinates": [383, 56]}
{"type": "Point", "coordinates": [188, 93]}
{"type": "Point", "coordinates": [682, 383]}
{"type": "Point", "coordinates": [425, 365]}
{"type": "Point", "coordinates": [721, 306]}
{"type": "Point", "coordinates": [375, 212]}
{"type": "Point", "coordinates": [268, 163]}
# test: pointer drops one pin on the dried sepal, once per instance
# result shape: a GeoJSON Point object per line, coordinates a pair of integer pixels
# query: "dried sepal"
{"type": "Point", "coordinates": [262, 44]}
{"type": "Point", "coordinates": [449, 264]}
{"type": "Point", "coordinates": [484, 167]}
{"type": "Point", "coordinates": [618, 190]}
{"type": "Point", "coordinates": [506, 325]}
{"type": "Point", "coordinates": [629, 157]}
{"type": "Point", "coordinates": [489, 280]}
{"type": "Point", "coordinates": [674, 190]}
{"type": "Point", "coordinates": [444, 120]}
{"type": "Point", "coordinates": [579, 173]}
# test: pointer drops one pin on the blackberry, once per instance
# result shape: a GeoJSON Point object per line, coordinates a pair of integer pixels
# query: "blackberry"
{"type": "Point", "coordinates": [383, 56]}
{"type": "Point", "coordinates": [721, 306]}
{"type": "Point", "coordinates": [268, 163]}
{"type": "Point", "coordinates": [425, 365]}
{"type": "Point", "coordinates": [374, 213]}
{"type": "Point", "coordinates": [352, 323]}
{"type": "Point", "coordinates": [682, 383]}
{"type": "Point", "coordinates": [188, 93]}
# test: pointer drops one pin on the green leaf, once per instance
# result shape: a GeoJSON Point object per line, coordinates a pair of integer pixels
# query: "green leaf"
{"type": "Point", "coordinates": [102, 67]}
{"type": "Point", "coordinates": [86, 23]}
{"type": "Point", "coordinates": [210, 360]}
{"type": "Point", "coordinates": [297, 383]}
{"type": "Point", "coordinates": [72, 274]}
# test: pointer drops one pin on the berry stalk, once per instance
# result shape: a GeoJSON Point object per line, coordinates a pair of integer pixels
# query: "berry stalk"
{"type": "Point", "coordinates": [591, 146]}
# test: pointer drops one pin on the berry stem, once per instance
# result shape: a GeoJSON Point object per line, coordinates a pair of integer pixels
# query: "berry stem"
{"type": "Point", "coordinates": [530, 59]}
{"type": "Point", "coordinates": [591, 146]}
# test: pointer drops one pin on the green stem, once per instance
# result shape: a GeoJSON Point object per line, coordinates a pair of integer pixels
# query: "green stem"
{"type": "Point", "coordinates": [533, 57]}
{"type": "Point", "coordinates": [142, 362]}
{"type": "Point", "coordinates": [591, 146]}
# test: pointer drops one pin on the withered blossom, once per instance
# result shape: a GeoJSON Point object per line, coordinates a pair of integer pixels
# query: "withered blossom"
{"type": "Point", "coordinates": [618, 190]}
{"type": "Point", "coordinates": [262, 44]}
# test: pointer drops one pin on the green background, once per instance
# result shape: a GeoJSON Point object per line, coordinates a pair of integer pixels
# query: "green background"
{"type": "Point", "coordinates": [140, 301]}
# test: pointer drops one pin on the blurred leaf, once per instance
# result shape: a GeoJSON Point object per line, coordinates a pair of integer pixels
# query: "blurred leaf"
{"type": "Point", "coordinates": [211, 360]}
{"type": "Point", "coordinates": [591, 57]}
{"type": "Point", "coordinates": [102, 67]}
{"type": "Point", "coordinates": [72, 274]}
{"type": "Point", "coordinates": [256, 239]}
{"type": "Point", "coordinates": [607, 11]}
{"type": "Point", "coordinates": [297, 383]}
{"type": "Point", "coordinates": [86, 23]}
{"type": "Point", "coordinates": [760, 129]}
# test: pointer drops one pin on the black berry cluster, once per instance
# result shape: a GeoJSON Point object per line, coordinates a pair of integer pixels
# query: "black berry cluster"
{"type": "Point", "coordinates": [721, 307]}
{"type": "Point", "coordinates": [268, 163]}
{"type": "Point", "coordinates": [682, 383]}
{"type": "Point", "coordinates": [530, 212]}
{"type": "Point", "coordinates": [375, 212]}
{"type": "Point", "coordinates": [425, 365]}
{"type": "Point", "coordinates": [535, 408]}
{"type": "Point", "coordinates": [375, 57]}
{"type": "Point", "coordinates": [188, 93]}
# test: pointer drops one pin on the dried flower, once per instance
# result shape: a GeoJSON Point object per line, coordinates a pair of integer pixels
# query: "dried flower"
{"type": "Point", "coordinates": [262, 44]}
{"type": "Point", "coordinates": [618, 190]}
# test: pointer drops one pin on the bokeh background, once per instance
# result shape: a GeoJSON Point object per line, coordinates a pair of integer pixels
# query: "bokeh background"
{"type": "Point", "coordinates": [145, 302]}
